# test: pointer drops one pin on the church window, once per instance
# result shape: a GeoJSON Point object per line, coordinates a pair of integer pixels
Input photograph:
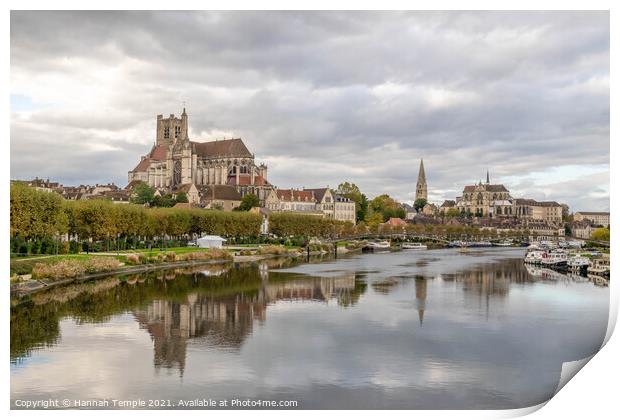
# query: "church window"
{"type": "Point", "coordinates": [177, 131]}
{"type": "Point", "coordinates": [166, 132]}
{"type": "Point", "coordinates": [177, 172]}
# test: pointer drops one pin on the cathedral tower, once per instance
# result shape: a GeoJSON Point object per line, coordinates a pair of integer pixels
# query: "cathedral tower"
{"type": "Point", "coordinates": [420, 189]}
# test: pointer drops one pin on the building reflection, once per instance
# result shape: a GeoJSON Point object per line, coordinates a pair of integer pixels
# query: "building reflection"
{"type": "Point", "coordinates": [420, 296]}
{"type": "Point", "coordinates": [226, 321]}
{"type": "Point", "coordinates": [491, 280]}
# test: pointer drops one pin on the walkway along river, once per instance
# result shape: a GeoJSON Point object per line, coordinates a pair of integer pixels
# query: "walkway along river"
{"type": "Point", "coordinates": [411, 329]}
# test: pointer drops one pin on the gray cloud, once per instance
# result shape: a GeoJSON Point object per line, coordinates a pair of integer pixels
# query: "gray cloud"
{"type": "Point", "coordinates": [323, 97]}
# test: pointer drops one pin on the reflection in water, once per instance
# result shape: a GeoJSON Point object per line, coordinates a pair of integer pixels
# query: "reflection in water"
{"type": "Point", "coordinates": [226, 320]}
{"type": "Point", "coordinates": [485, 332]}
{"type": "Point", "coordinates": [218, 302]}
{"type": "Point", "coordinates": [420, 296]}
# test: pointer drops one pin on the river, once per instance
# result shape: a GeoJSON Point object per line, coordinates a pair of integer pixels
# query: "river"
{"type": "Point", "coordinates": [433, 329]}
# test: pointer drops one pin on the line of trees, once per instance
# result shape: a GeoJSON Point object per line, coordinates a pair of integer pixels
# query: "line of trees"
{"type": "Point", "coordinates": [291, 224]}
{"type": "Point", "coordinates": [38, 216]}
{"type": "Point", "coordinates": [39, 219]}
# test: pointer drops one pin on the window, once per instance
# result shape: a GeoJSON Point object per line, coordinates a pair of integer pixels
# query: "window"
{"type": "Point", "coordinates": [177, 131]}
{"type": "Point", "coordinates": [167, 132]}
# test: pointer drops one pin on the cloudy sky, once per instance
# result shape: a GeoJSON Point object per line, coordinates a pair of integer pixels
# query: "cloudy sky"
{"type": "Point", "coordinates": [323, 97]}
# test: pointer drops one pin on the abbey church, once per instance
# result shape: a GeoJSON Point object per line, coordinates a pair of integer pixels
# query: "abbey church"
{"type": "Point", "coordinates": [175, 162]}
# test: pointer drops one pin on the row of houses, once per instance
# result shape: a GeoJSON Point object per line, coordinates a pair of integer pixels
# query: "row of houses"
{"type": "Point", "coordinates": [314, 201]}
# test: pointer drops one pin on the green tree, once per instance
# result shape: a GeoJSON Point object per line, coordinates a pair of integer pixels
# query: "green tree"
{"type": "Point", "coordinates": [419, 204]}
{"type": "Point", "coordinates": [566, 216]}
{"type": "Point", "coordinates": [36, 214]}
{"type": "Point", "coordinates": [386, 207]}
{"type": "Point", "coordinates": [181, 197]}
{"type": "Point", "coordinates": [452, 213]}
{"type": "Point", "coordinates": [142, 193]}
{"type": "Point", "coordinates": [601, 234]}
{"type": "Point", "coordinates": [248, 201]}
{"type": "Point", "coordinates": [166, 200]}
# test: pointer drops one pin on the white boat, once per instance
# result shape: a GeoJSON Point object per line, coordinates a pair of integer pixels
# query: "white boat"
{"type": "Point", "coordinates": [547, 245]}
{"type": "Point", "coordinates": [413, 245]}
{"type": "Point", "coordinates": [599, 267]}
{"type": "Point", "coordinates": [577, 262]}
{"type": "Point", "coordinates": [534, 257]}
{"type": "Point", "coordinates": [379, 245]}
{"type": "Point", "coordinates": [555, 258]}
{"type": "Point", "coordinates": [459, 244]}
{"type": "Point", "coordinates": [503, 243]}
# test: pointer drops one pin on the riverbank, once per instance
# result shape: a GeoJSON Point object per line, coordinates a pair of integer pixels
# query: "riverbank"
{"type": "Point", "coordinates": [28, 285]}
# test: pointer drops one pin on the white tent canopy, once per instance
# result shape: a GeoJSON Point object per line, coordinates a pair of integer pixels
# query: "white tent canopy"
{"type": "Point", "coordinates": [210, 241]}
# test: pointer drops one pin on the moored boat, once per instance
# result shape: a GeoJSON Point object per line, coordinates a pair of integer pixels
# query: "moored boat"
{"type": "Point", "coordinates": [556, 259]}
{"type": "Point", "coordinates": [578, 263]}
{"type": "Point", "coordinates": [413, 245]}
{"type": "Point", "coordinates": [380, 245]}
{"type": "Point", "coordinates": [534, 257]}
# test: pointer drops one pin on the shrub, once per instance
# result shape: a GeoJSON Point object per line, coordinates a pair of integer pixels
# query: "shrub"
{"type": "Point", "coordinates": [211, 254]}
{"type": "Point", "coordinates": [271, 250]}
{"type": "Point", "coordinates": [133, 259]}
{"type": "Point", "coordinates": [99, 264]}
{"type": "Point", "coordinates": [143, 259]}
{"type": "Point", "coordinates": [171, 256]}
{"type": "Point", "coordinates": [61, 269]}
{"type": "Point", "coordinates": [73, 268]}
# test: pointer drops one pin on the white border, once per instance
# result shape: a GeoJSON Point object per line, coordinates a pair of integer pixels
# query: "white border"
{"type": "Point", "coordinates": [592, 393]}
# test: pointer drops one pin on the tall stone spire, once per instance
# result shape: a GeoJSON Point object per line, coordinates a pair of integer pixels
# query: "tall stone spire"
{"type": "Point", "coordinates": [488, 181]}
{"type": "Point", "coordinates": [420, 190]}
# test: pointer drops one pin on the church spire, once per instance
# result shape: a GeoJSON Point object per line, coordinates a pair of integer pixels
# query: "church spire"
{"type": "Point", "coordinates": [420, 189]}
{"type": "Point", "coordinates": [488, 182]}
{"type": "Point", "coordinates": [421, 174]}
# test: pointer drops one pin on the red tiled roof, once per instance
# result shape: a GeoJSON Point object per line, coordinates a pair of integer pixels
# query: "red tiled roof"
{"type": "Point", "coordinates": [245, 179]}
{"type": "Point", "coordinates": [133, 184]}
{"type": "Point", "coordinates": [295, 195]}
{"type": "Point", "coordinates": [159, 153]}
{"type": "Point", "coordinates": [219, 192]}
{"type": "Point", "coordinates": [396, 221]}
{"type": "Point", "coordinates": [143, 165]}
{"type": "Point", "coordinates": [222, 148]}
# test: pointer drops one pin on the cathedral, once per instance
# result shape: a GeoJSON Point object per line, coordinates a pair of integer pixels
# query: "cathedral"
{"type": "Point", "coordinates": [175, 162]}
{"type": "Point", "coordinates": [485, 199]}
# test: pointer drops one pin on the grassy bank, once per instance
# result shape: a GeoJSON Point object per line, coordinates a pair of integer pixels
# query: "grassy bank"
{"type": "Point", "coordinates": [75, 265]}
{"type": "Point", "coordinates": [24, 265]}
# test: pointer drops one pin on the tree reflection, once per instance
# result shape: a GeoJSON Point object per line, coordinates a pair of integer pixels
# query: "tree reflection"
{"type": "Point", "coordinates": [216, 303]}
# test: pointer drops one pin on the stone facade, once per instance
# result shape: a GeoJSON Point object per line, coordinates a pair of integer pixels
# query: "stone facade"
{"type": "Point", "coordinates": [582, 229]}
{"type": "Point", "coordinates": [175, 160]}
{"type": "Point", "coordinates": [485, 199]}
{"type": "Point", "coordinates": [547, 211]}
{"type": "Point", "coordinates": [224, 197]}
{"type": "Point", "coordinates": [344, 209]}
{"type": "Point", "coordinates": [597, 218]}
